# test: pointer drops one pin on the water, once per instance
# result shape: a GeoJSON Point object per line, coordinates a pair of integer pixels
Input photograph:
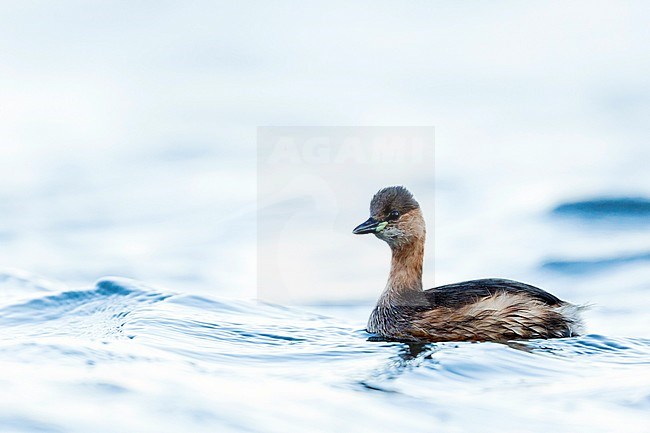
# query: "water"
{"type": "Point", "coordinates": [124, 356]}
{"type": "Point", "coordinates": [128, 214]}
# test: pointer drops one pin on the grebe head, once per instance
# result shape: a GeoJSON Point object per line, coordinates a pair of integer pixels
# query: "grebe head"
{"type": "Point", "coordinates": [395, 218]}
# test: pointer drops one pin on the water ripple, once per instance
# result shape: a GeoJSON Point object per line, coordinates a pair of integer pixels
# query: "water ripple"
{"type": "Point", "coordinates": [125, 341]}
{"type": "Point", "coordinates": [621, 207]}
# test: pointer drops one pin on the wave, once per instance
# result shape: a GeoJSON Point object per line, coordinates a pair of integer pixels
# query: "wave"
{"type": "Point", "coordinates": [188, 325]}
{"type": "Point", "coordinates": [205, 328]}
{"type": "Point", "coordinates": [582, 266]}
{"type": "Point", "coordinates": [232, 365]}
{"type": "Point", "coordinates": [627, 208]}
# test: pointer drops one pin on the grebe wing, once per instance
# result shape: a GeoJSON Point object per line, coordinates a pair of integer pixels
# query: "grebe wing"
{"type": "Point", "coordinates": [463, 293]}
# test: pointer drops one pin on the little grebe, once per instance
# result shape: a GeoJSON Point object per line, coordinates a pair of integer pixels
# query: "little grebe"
{"type": "Point", "coordinates": [478, 310]}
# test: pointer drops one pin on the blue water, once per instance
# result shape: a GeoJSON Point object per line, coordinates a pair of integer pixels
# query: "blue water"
{"type": "Point", "coordinates": [125, 356]}
{"type": "Point", "coordinates": [128, 149]}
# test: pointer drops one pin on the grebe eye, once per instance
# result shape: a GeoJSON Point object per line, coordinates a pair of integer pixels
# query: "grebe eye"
{"type": "Point", "coordinates": [393, 215]}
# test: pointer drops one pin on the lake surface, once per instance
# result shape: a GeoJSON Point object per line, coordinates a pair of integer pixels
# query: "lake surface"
{"type": "Point", "coordinates": [123, 355]}
{"type": "Point", "coordinates": [128, 214]}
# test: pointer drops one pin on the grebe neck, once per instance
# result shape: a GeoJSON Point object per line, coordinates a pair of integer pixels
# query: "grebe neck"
{"type": "Point", "coordinates": [404, 284]}
{"type": "Point", "coordinates": [403, 291]}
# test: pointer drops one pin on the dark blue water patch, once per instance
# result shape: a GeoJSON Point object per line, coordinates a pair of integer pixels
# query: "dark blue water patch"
{"type": "Point", "coordinates": [606, 208]}
{"type": "Point", "coordinates": [585, 266]}
{"type": "Point", "coordinates": [119, 296]}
